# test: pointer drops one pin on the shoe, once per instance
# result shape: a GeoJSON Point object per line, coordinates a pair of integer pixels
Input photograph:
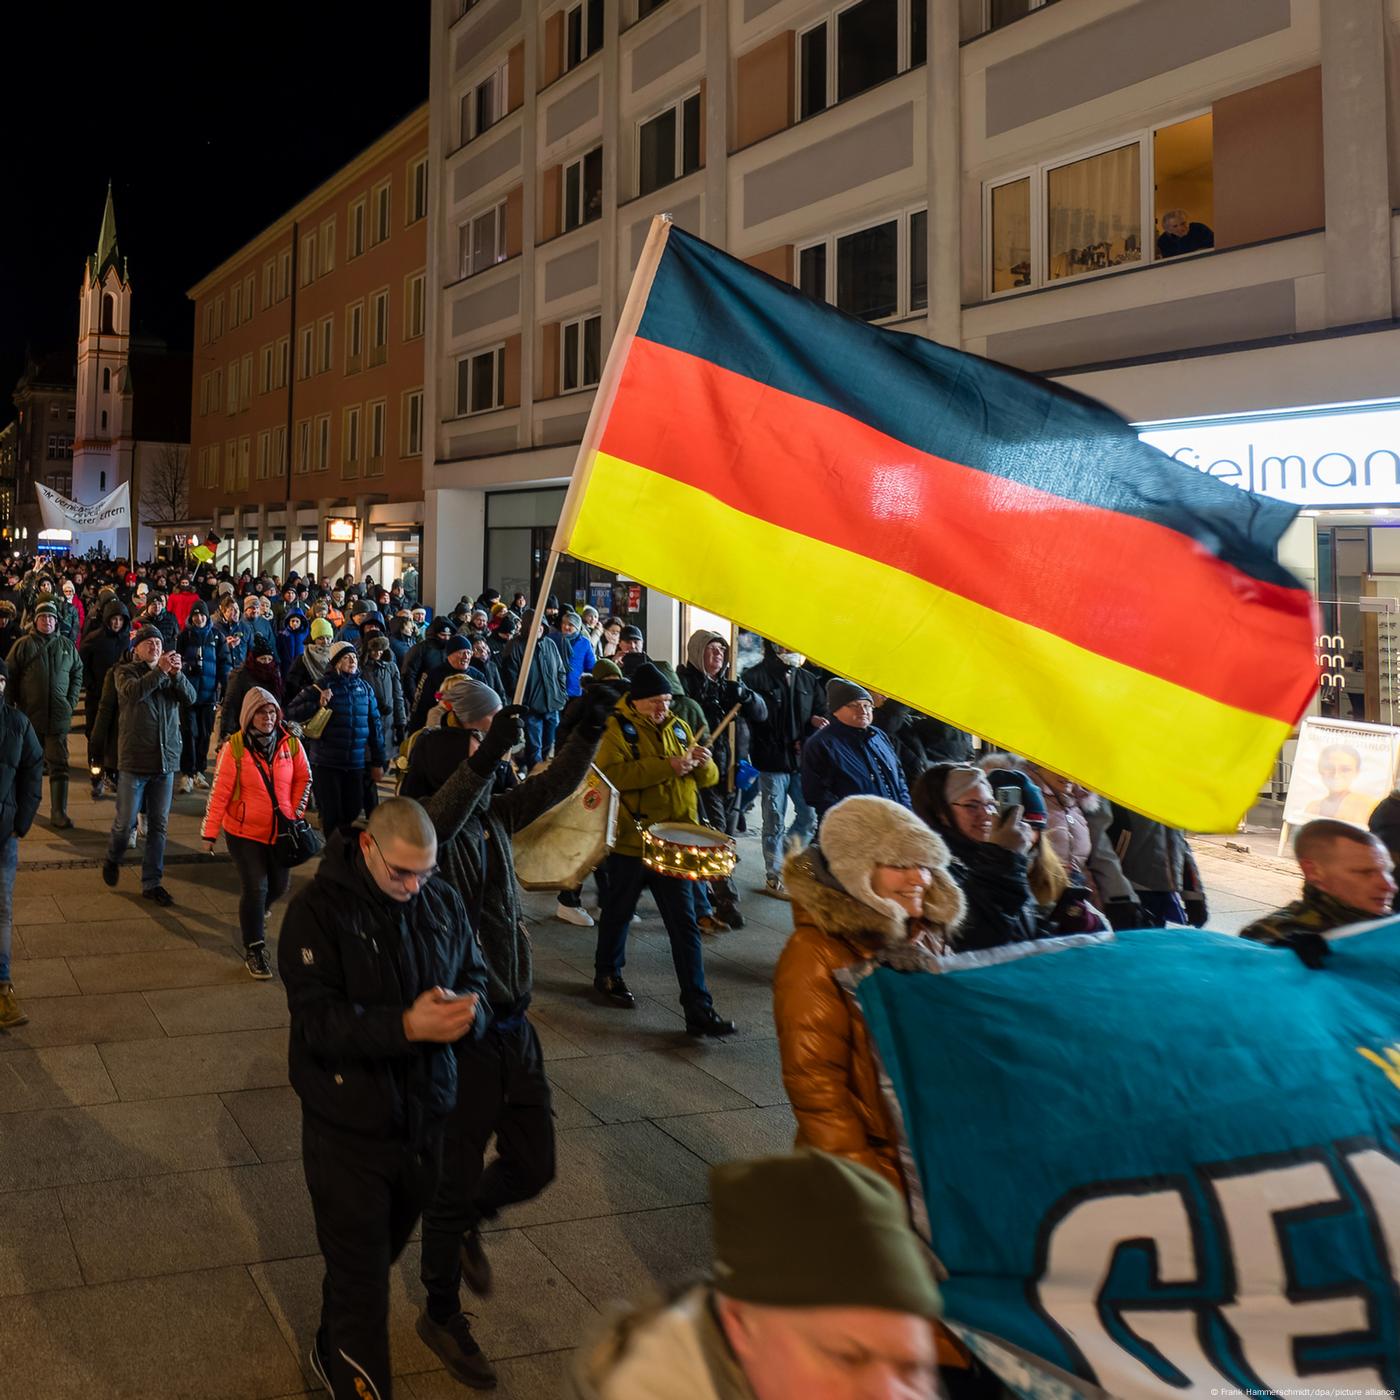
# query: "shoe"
{"type": "Point", "coordinates": [158, 894]}
{"type": "Point", "coordinates": [774, 886]}
{"type": "Point", "coordinates": [573, 914]}
{"type": "Point", "coordinates": [729, 915]}
{"type": "Point", "coordinates": [10, 1014]}
{"type": "Point", "coordinates": [256, 957]}
{"type": "Point", "coordinates": [109, 873]}
{"type": "Point", "coordinates": [709, 924]}
{"type": "Point", "coordinates": [186, 784]}
{"type": "Point", "coordinates": [614, 990]}
{"type": "Point", "coordinates": [709, 1023]}
{"type": "Point", "coordinates": [318, 1367]}
{"type": "Point", "coordinates": [201, 782]}
{"type": "Point", "coordinates": [97, 789]}
{"type": "Point", "coordinates": [131, 840]}
{"type": "Point", "coordinates": [453, 1344]}
{"type": "Point", "coordinates": [58, 804]}
{"type": "Point", "coordinates": [476, 1267]}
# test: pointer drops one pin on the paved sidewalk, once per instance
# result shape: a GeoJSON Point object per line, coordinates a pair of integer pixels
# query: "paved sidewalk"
{"type": "Point", "coordinates": [155, 1235]}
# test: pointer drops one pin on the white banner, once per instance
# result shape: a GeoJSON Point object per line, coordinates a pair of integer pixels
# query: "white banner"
{"type": "Point", "coordinates": [102, 518]}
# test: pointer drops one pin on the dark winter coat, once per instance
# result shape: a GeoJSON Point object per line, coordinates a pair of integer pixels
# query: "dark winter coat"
{"type": "Point", "coordinates": [148, 739]}
{"type": "Point", "coordinates": [206, 664]}
{"type": "Point", "coordinates": [994, 882]}
{"type": "Point", "coordinates": [488, 673]}
{"type": "Point", "coordinates": [69, 619]}
{"type": "Point", "coordinates": [791, 696]}
{"type": "Point", "coordinates": [256, 670]}
{"type": "Point", "coordinates": [842, 761]}
{"type": "Point", "coordinates": [262, 627]}
{"type": "Point", "coordinates": [426, 697]}
{"type": "Point", "coordinates": [103, 648]}
{"type": "Point", "coordinates": [21, 772]}
{"type": "Point", "coordinates": [474, 825]}
{"type": "Point", "coordinates": [717, 697]}
{"type": "Point", "coordinates": [167, 625]}
{"type": "Point", "coordinates": [352, 962]}
{"type": "Point", "coordinates": [46, 679]}
{"type": "Point", "coordinates": [308, 668]}
{"type": "Point", "coordinates": [353, 739]}
{"type": "Point", "coordinates": [547, 685]}
{"type": "Point", "coordinates": [919, 740]}
{"type": "Point", "coordinates": [424, 656]}
{"type": "Point", "coordinates": [291, 644]}
{"type": "Point", "coordinates": [384, 679]}
{"type": "Point", "coordinates": [241, 635]}
{"type": "Point", "coordinates": [102, 742]}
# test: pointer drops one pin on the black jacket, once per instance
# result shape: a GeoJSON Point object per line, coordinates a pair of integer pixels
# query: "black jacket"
{"type": "Point", "coordinates": [775, 743]}
{"type": "Point", "coordinates": [920, 741]}
{"type": "Point", "coordinates": [21, 772]}
{"type": "Point", "coordinates": [717, 697]}
{"type": "Point", "coordinates": [148, 726]}
{"type": "Point", "coordinates": [547, 685]}
{"type": "Point", "coordinates": [353, 961]}
{"type": "Point", "coordinates": [1000, 906]}
{"type": "Point", "coordinates": [422, 657]}
{"type": "Point", "coordinates": [102, 648]}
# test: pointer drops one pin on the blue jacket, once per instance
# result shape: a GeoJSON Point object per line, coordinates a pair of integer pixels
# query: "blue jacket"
{"type": "Point", "coordinates": [842, 761]}
{"type": "Point", "coordinates": [577, 652]}
{"type": "Point", "coordinates": [205, 659]}
{"type": "Point", "coordinates": [262, 627]}
{"type": "Point", "coordinates": [354, 738]}
{"type": "Point", "coordinates": [236, 655]}
{"type": "Point", "coordinates": [290, 645]}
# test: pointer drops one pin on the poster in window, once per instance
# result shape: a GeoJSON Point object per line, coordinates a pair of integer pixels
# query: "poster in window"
{"type": "Point", "coordinates": [1341, 769]}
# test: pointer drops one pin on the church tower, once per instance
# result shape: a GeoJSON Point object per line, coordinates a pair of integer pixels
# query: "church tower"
{"type": "Point", "coordinates": [102, 438]}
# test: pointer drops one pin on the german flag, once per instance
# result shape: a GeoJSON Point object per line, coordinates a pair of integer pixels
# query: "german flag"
{"type": "Point", "coordinates": [987, 546]}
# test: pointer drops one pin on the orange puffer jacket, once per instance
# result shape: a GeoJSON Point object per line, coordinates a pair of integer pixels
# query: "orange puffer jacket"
{"type": "Point", "coordinates": [238, 801]}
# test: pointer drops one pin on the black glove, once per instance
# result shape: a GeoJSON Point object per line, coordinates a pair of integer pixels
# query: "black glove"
{"type": "Point", "coordinates": [507, 732]}
{"type": "Point", "coordinates": [599, 701]}
{"type": "Point", "coordinates": [1127, 913]}
{"type": "Point", "coordinates": [1312, 949]}
{"type": "Point", "coordinates": [1196, 911]}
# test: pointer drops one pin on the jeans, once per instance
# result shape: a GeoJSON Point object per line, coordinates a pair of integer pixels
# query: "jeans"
{"type": "Point", "coordinates": [9, 862]}
{"type": "Point", "coordinates": [502, 1092]}
{"type": "Point", "coordinates": [539, 737]}
{"type": "Point", "coordinates": [776, 788]}
{"type": "Point", "coordinates": [626, 878]}
{"type": "Point", "coordinates": [340, 795]}
{"type": "Point", "coordinates": [263, 880]}
{"type": "Point", "coordinates": [196, 725]}
{"type": "Point", "coordinates": [149, 793]}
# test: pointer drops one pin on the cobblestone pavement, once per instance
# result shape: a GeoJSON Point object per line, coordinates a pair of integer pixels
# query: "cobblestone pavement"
{"type": "Point", "coordinates": [155, 1235]}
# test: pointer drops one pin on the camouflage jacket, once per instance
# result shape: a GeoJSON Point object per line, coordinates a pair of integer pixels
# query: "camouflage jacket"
{"type": "Point", "coordinates": [1314, 913]}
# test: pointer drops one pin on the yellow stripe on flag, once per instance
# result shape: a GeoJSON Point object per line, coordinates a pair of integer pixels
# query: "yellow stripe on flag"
{"type": "Point", "coordinates": [1115, 729]}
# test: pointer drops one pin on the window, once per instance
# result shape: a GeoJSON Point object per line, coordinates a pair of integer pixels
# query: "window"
{"type": "Point", "coordinates": [583, 31]}
{"type": "Point", "coordinates": [279, 450]}
{"type": "Point", "coordinates": [857, 47]}
{"type": "Point", "coordinates": [106, 382]}
{"type": "Point", "coordinates": [232, 404]}
{"type": "Point", "coordinates": [485, 104]}
{"type": "Point", "coordinates": [379, 327]}
{"type": "Point", "coordinates": [418, 189]}
{"type": "Point", "coordinates": [235, 304]}
{"type": "Point", "coordinates": [219, 317]}
{"type": "Point", "coordinates": [413, 423]}
{"type": "Point", "coordinates": [245, 388]}
{"type": "Point", "coordinates": [231, 464]}
{"type": "Point", "coordinates": [415, 305]}
{"type": "Point", "coordinates": [1093, 213]}
{"type": "Point", "coordinates": [284, 359]}
{"type": "Point", "coordinates": [304, 445]}
{"type": "Point", "coordinates": [992, 14]}
{"type": "Point", "coordinates": [1009, 237]}
{"type": "Point", "coordinates": [583, 189]}
{"type": "Point", "coordinates": [308, 352]}
{"type": "Point", "coordinates": [327, 248]}
{"type": "Point", "coordinates": [264, 454]}
{"type": "Point", "coordinates": [354, 335]}
{"type": "Point", "coordinates": [284, 275]}
{"type": "Point", "coordinates": [580, 352]}
{"type": "Point", "coordinates": [382, 211]}
{"type": "Point", "coordinates": [323, 442]}
{"type": "Point", "coordinates": [269, 287]}
{"type": "Point", "coordinates": [481, 241]}
{"type": "Point", "coordinates": [350, 463]}
{"type": "Point", "coordinates": [245, 461]}
{"type": "Point", "coordinates": [327, 326]}
{"type": "Point", "coordinates": [249, 289]}
{"type": "Point", "coordinates": [669, 145]}
{"type": "Point", "coordinates": [877, 273]}
{"type": "Point", "coordinates": [645, 7]}
{"type": "Point", "coordinates": [216, 391]}
{"type": "Point", "coordinates": [265, 379]}
{"type": "Point", "coordinates": [109, 311]}
{"type": "Point", "coordinates": [203, 395]}
{"type": "Point", "coordinates": [481, 380]}
{"type": "Point", "coordinates": [355, 234]}
{"type": "Point", "coordinates": [308, 260]}
{"type": "Point", "coordinates": [374, 463]}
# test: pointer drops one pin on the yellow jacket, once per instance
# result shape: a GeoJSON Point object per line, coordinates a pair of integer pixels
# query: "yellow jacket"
{"type": "Point", "coordinates": [635, 756]}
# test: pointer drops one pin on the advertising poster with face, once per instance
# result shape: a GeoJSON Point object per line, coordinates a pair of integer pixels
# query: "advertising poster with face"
{"type": "Point", "coordinates": [1341, 770]}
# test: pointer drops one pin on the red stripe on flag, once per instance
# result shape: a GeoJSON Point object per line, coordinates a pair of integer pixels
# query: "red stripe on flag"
{"type": "Point", "coordinates": [1113, 584]}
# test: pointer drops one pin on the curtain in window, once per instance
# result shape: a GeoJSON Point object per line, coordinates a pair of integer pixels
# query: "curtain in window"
{"type": "Point", "coordinates": [1094, 213]}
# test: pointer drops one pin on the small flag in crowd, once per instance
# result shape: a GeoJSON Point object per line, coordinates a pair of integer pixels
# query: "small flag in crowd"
{"type": "Point", "coordinates": [984, 545]}
{"type": "Point", "coordinates": [205, 552]}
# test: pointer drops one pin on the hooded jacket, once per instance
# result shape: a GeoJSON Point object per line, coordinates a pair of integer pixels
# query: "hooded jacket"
{"type": "Point", "coordinates": [255, 671]}
{"type": "Point", "coordinates": [46, 679]}
{"type": "Point", "coordinates": [102, 648]}
{"type": "Point", "coordinates": [352, 962]}
{"type": "Point", "coordinates": [843, 761]}
{"type": "Point", "coordinates": [238, 799]}
{"type": "Point", "coordinates": [148, 732]}
{"type": "Point", "coordinates": [791, 696]}
{"type": "Point", "coordinates": [384, 680]}
{"type": "Point", "coordinates": [547, 685]}
{"type": "Point", "coordinates": [352, 739]}
{"type": "Point", "coordinates": [205, 661]}
{"type": "Point", "coordinates": [291, 643]}
{"type": "Point", "coordinates": [718, 696]}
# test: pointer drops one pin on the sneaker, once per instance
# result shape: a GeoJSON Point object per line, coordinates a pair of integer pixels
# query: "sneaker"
{"type": "Point", "coordinates": [256, 958]}
{"type": "Point", "coordinates": [615, 991]}
{"type": "Point", "coordinates": [709, 1023]}
{"type": "Point", "coordinates": [10, 1014]}
{"type": "Point", "coordinates": [709, 924]}
{"type": "Point", "coordinates": [476, 1267]}
{"type": "Point", "coordinates": [572, 914]}
{"type": "Point", "coordinates": [456, 1348]}
{"type": "Point", "coordinates": [109, 873]}
{"type": "Point", "coordinates": [131, 840]}
{"type": "Point", "coordinates": [201, 782]}
{"type": "Point", "coordinates": [186, 784]}
{"type": "Point", "coordinates": [158, 894]}
{"type": "Point", "coordinates": [318, 1366]}
{"type": "Point", "coordinates": [774, 886]}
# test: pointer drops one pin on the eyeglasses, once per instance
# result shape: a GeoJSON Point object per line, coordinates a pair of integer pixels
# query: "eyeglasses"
{"type": "Point", "coordinates": [976, 806]}
{"type": "Point", "coordinates": [398, 873]}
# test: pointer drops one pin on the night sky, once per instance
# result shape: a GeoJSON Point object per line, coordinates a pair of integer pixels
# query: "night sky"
{"type": "Point", "coordinates": [210, 121]}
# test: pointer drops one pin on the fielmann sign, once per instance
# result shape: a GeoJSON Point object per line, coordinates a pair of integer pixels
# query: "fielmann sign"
{"type": "Point", "coordinates": [1342, 455]}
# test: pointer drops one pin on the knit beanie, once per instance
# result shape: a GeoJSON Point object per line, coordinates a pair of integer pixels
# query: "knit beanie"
{"type": "Point", "coordinates": [197, 610]}
{"type": "Point", "coordinates": [859, 833]}
{"type": "Point", "coordinates": [46, 610]}
{"type": "Point", "coordinates": [839, 692]}
{"type": "Point", "coordinates": [630, 633]}
{"type": "Point", "coordinates": [648, 683]}
{"type": "Point", "coordinates": [606, 670]}
{"type": "Point", "coordinates": [815, 1231]}
{"type": "Point", "coordinates": [456, 644]}
{"type": "Point", "coordinates": [469, 699]}
{"type": "Point", "coordinates": [338, 649]}
{"type": "Point", "coordinates": [321, 630]}
{"type": "Point", "coordinates": [255, 698]}
{"type": "Point", "coordinates": [145, 634]}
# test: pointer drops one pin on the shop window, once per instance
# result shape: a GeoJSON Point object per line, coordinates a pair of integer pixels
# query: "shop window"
{"type": "Point", "coordinates": [1183, 187]}
{"type": "Point", "coordinates": [583, 31]}
{"type": "Point", "coordinates": [481, 381]}
{"type": "Point", "coordinates": [583, 189]}
{"type": "Point", "coordinates": [669, 145]}
{"type": "Point", "coordinates": [481, 241]}
{"type": "Point", "coordinates": [580, 353]}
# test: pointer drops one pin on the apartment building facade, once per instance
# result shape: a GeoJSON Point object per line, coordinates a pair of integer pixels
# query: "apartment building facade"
{"type": "Point", "coordinates": [307, 420]}
{"type": "Point", "coordinates": [998, 174]}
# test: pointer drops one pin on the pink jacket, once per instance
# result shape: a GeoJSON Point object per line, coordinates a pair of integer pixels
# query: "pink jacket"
{"type": "Point", "coordinates": [238, 801]}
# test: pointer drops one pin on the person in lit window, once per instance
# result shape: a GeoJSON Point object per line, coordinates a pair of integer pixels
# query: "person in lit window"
{"type": "Point", "coordinates": [1179, 235]}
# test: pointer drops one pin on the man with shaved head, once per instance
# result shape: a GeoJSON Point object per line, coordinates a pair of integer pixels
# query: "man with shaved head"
{"type": "Point", "coordinates": [383, 976]}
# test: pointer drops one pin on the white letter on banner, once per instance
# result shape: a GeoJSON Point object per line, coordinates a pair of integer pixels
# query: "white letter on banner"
{"type": "Point", "coordinates": [1079, 1258]}
{"type": "Point", "coordinates": [1378, 1175]}
{"type": "Point", "coordinates": [1267, 1321]}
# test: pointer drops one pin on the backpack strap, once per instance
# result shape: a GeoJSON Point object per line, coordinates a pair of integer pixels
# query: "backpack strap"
{"type": "Point", "coordinates": [235, 745]}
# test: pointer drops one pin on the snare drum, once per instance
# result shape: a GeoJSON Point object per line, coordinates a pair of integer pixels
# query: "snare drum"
{"type": "Point", "coordinates": [689, 851]}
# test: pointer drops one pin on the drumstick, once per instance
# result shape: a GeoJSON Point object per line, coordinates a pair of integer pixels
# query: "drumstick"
{"type": "Point", "coordinates": [724, 724]}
